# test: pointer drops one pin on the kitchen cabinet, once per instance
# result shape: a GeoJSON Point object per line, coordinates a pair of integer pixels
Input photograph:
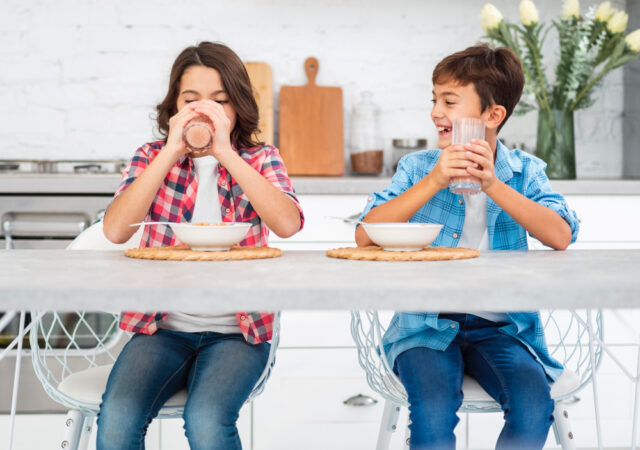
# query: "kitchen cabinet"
{"type": "Point", "coordinates": [607, 221]}
{"type": "Point", "coordinates": [320, 232]}
{"type": "Point", "coordinates": [303, 405]}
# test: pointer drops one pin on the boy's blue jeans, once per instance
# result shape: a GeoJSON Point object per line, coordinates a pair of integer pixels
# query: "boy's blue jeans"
{"type": "Point", "coordinates": [502, 366]}
{"type": "Point", "coordinates": [219, 371]}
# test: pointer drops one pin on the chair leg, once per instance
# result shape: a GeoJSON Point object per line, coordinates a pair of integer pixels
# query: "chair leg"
{"type": "Point", "coordinates": [562, 427]}
{"type": "Point", "coordinates": [388, 425]}
{"type": "Point", "coordinates": [407, 434]}
{"type": "Point", "coordinates": [73, 430]}
{"type": "Point", "coordinates": [85, 432]}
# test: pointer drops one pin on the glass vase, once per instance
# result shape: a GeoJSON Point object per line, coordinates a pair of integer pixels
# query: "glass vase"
{"type": "Point", "coordinates": [555, 143]}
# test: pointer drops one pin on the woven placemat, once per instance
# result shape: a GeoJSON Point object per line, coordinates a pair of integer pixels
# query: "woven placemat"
{"type": "Point", "coordinates": [373, 253]}
{"type": "Point", "coordinates": [186, 254]}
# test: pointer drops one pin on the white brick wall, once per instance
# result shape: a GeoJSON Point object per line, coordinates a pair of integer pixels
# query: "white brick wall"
{"type": "Point", "coordinates": [80, 78]}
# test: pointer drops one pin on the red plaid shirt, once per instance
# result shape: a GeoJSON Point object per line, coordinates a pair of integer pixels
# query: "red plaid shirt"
{"type": "Point", "coordinates": [175, 201]}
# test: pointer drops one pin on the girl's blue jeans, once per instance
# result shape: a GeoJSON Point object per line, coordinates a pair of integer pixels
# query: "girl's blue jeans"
{"type": "Point", "coordinates": [503, 367]}
{"type": "Point", "coordinates": [219, 371]}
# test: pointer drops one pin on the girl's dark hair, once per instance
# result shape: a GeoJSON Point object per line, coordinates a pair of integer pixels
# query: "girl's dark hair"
{"type": "Point", "coordinates": [496, 75]}
{"type": "Point", "coordinates": [235, 81]}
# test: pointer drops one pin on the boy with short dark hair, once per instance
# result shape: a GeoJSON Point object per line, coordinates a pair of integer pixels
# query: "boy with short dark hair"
{"type": "Point", "coordinates": [505, 352]}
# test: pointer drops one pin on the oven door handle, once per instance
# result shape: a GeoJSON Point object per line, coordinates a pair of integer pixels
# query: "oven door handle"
{"type": "Point", "coordinates": [42, 224]}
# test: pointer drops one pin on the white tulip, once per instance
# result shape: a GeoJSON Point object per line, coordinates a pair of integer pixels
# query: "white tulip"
{"type": "Point", "coordinates": [571, 9]}
{"type": "Point", "coordinates": [618, 22]}
{"type": "Point", "coordinates": [604, 12]}
{"type": "Point", "coordinates": [490, 17]}
{"type": "Point", "coordinates": [528, 13]}
{"type": "Point", "coordinates": [633, 40]}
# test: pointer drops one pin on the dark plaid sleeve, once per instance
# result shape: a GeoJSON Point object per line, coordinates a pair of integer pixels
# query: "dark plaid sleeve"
{"type": "Point", "coordinates": [136, 166]}
{"type": "Point", "coordinates": [275, 172]}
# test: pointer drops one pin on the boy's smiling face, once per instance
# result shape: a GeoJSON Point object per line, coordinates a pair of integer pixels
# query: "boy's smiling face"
{"type": "Point", "coordinates": [452, 101]}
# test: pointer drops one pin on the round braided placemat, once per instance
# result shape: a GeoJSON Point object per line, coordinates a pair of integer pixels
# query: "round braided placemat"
{"type": "Point", "coordinates": [373, 253]}
{"type": "Point", "coordinates": [186, 254]}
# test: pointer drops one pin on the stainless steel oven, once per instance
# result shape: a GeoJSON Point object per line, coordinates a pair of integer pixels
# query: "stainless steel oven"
{"type": "Point", "coordinates": [45, 205]}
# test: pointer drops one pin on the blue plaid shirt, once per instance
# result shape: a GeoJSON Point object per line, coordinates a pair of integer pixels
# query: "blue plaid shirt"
{"type": "Point", "coordinates": [523, 172]}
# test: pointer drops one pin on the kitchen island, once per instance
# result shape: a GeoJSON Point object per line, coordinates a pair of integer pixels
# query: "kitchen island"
{"type": "Point", "coordinates": [497, 280]}
{"type": "Point", "coordinates": [309, 280]}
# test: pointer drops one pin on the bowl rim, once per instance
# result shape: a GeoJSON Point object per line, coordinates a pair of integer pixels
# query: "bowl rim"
{"type": "Point", "coordinates": [402, 224]}
{"type": "Point", "coordinates": [215, 225]}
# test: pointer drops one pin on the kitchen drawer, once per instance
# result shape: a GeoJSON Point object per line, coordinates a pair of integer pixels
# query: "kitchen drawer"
{"type": "Point", "coordinates": [607, 221]}
{"type": "Point", "coordinates": [302, 405]}
{"type": "Point", "coordinates": [318, 228]}
{"type": "Point", "coordinates": [327, 329]}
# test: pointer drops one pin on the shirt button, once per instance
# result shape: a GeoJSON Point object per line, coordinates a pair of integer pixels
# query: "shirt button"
{"type": "Point", "coordinates": [455, 235]}
{"type": "Point", "coordinates": [243, 317]}
{"type": "Point", "coordinates": [224, 183]}
{"type": "Point", "coordinates": [227, 210]}
{"type": "Point", "coordinates": [453, 325]}
{"type": "Point", "coordinates": [369, 198]}
{"type": "Point", "coordinates": [459, 201]}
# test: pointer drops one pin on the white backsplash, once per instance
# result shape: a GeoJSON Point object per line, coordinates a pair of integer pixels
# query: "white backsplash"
{"type": "Point", "coordinates": [81, 78]}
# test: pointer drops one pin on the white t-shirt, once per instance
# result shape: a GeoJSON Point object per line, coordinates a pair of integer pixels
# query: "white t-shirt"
{"type": "Point", "coordinates": [476, 235]}
{"type": "Point", "coordinates": [206, 209]}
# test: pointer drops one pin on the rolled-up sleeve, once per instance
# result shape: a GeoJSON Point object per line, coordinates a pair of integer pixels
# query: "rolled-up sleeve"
{"type": "Point", "coordinates": [274, 171]}
{"type": "Point", "coordinates": [136, 166]}
{"type": "Point", "coordinates": [539, 190]}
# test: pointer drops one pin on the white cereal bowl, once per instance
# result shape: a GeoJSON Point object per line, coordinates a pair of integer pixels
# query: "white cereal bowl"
{"type": "Point", "coordinates": [403, 236]}
{"type": "Point", "coordinates": [212, 237]}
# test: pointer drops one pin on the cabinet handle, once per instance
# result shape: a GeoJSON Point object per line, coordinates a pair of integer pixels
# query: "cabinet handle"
{"type": "Point", "coordinates": [360, 400]}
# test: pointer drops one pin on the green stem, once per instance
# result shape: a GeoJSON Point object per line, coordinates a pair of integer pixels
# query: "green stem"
{"type": "Point", "coordinates": [589, 86]}
{"type": "Point", "coordinates": [534, 52]}
{"type": "Point", "coordinates": [535, 91]}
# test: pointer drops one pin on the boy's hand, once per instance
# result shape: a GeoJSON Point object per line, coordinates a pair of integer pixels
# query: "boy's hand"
{"type": "Point", "coordinates": [453, 163]}
{"type": "Point", "coordinates": [479, 152]}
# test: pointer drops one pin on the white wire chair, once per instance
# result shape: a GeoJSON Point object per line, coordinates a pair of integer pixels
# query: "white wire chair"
{"type": "Point", "coordinates": [72, 355]}
{"type": "Point", "coordinates": [567, 341]}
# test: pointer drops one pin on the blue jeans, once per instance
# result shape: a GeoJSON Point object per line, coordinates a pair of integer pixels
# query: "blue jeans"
{"type": "Point", "coordinates": [219, 371]}
{"type": "Point", "coordinates": [503, 367]}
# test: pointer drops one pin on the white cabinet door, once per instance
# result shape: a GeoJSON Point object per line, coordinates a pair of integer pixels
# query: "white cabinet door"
{"type": "Point", "coordinates": [321, 232]}
{"type": "Point", "coordinates": [302, 406]}
{"type": "Point", "coordinates": [325, 329]}
{"type": "Point", "coordinates": [607, 221]}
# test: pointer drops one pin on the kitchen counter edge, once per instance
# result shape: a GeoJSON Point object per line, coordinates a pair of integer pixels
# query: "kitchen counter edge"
{"type": "Point", "coordinates": [101, 184]}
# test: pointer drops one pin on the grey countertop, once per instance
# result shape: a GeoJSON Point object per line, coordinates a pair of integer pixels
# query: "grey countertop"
{"type": "Point", "coordinates": [497, 280]}
{"type": "Point", "coordinates": [356, 185]}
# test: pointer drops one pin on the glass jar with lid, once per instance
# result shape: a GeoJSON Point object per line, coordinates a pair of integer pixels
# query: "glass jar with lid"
{"type": "Point", "coordinates": [366, 149]}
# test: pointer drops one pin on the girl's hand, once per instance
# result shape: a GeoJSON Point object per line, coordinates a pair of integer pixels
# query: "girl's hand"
{"type": "Point", "coordinates": [221, 126]}
{"type": "Point", "coordinates": [453, 163]}
{"type": "Point", "coordinates": [175, 143]}
{"type": "Point", "coordinates": [481, 154]}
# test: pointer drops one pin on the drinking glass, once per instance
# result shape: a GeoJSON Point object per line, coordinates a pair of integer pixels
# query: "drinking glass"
{"type": "Point", "coordinates": [198, 134]}
{"type": "Point", "coordinates": [464, 130]}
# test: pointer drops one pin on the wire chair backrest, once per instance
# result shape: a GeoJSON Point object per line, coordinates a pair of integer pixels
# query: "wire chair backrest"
{"type": "Point", "coordinates": [67, 343]}
{"type": "Point", "coordinates": [567, 341]}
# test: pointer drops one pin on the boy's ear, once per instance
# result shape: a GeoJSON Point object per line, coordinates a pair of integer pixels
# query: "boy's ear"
{"type": "Point", "coordinates": [496, 115]}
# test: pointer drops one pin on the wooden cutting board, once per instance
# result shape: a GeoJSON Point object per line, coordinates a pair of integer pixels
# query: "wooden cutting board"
{"type": "Point", "coordinates": [262, 81]}
{"type": "Point", "coordinates": [311, 127]}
